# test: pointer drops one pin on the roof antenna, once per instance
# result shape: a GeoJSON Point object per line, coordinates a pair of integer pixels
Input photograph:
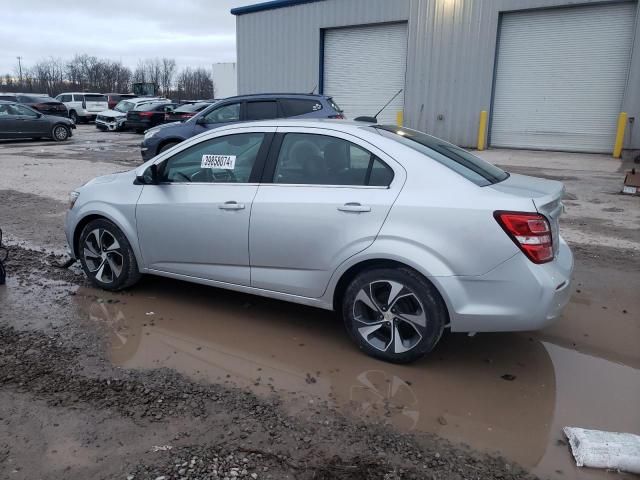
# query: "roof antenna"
{"type": "Point", "coordinates": [374, 119]}
{"type": "Point", "coordinates": [314, 90]}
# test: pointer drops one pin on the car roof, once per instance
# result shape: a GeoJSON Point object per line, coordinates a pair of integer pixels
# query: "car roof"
{"type": "Point", "coordinates": [80, 93]}
{"type": "Point", "coordinates": [310, 96]}
{"type": "Point", "coordinates": [327, 123]}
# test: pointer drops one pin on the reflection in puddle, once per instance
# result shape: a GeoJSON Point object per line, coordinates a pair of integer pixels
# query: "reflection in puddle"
{"type": "Point", "coordinates": [458, 392]}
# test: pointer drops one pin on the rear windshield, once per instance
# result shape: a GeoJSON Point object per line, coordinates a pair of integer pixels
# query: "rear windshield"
{"type": "Point", "coordinates": [473, 168]}
{"type": "Point", "coordinates": [147, 107]}
{"type": "Point", "coordinates": [124, 106]}
{"type": "Point", "coordinates": [95, 98]}
{"type": "Point", "coordinates": [191, 107]}
{"type": "Point", "coordinates": [7, 97]}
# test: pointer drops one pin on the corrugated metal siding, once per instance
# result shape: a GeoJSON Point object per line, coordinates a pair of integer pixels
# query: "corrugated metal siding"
{"type": "Point", "coordinates": [561, 76]}
{"type": "Point", "coordinates": [450, 59]}
{"type": "Point", "coordinates": [278, 50]}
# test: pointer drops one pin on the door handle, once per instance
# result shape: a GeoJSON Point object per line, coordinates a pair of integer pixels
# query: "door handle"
{"type": "Point", "coordinates": [354, 207]}
{"type": "Point", "coordinates": [231, 205]}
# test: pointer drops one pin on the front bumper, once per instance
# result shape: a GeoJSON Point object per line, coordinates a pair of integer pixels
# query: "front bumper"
{"type": "Point", "coordinates": [515, 296]}
{"type": "Point", "coordinates": [148, 149]}
{"type": "Point", "coordinates": [111, 124]}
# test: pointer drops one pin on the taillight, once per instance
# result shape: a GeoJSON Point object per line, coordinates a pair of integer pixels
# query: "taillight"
{"type": "Point", "coordinates": [529, 231]}
{"type": "Point", "coordinates": [145, 114]}
{"type": "Point", "coordinates": [337, 117]}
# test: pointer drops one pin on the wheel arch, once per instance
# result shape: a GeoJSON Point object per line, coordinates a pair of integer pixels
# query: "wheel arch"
{"type": "Point", "coordinates": [85, 220]}
{"type": "Point", "coordinates": [167, 141]}
{"type": "Point", "coordinates": [372, 263]}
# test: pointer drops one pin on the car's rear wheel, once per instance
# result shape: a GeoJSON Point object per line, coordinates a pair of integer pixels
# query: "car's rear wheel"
{"type": "Point", "coordinates": [393, 314]}
{"type": "Point", "coordinates": [106, 256]}
{"type": "Point", "coordinates": [60, 133]}
{"type": "Point", "coordinates": [167, 146]}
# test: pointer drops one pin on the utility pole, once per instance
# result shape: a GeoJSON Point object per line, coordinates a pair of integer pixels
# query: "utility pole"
{"type": "Point", "coordinates": [20, 68]}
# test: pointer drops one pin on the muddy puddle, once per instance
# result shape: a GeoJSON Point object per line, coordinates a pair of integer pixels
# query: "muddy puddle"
{"type": "Point", "coordinates": [506, 393]}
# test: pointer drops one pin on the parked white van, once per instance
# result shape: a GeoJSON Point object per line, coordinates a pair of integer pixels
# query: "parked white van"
{"type": "Point", "coordinates": [83, 106]}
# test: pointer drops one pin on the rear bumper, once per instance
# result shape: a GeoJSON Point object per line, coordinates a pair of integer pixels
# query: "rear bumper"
{"type": "Point", "coordinates": [139, 124]}
{"type": "Point", "coordinates": [515, 296]}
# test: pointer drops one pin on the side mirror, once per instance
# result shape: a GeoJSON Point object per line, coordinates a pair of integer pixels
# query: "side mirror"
{"type": "Point", "coordinates": [150, 176]}
{"type": "Point", "coordinates": [39, 115]}
{"type": "Point", "coordinates": [201, 120]}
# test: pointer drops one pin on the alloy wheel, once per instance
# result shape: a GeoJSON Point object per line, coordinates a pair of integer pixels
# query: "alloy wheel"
{"type": "Point", "coordinates": [389, 316]}
{"type": "Point", "coordinates": [103, 255]}
{"type": "Point", "coordinates": [60, 133]}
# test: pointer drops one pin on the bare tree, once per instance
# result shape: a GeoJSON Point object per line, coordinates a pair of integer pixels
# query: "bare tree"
{"type": "Point", "coordinates": [167, 74]}
{"type": "Point", "coordinates": [195, 84]}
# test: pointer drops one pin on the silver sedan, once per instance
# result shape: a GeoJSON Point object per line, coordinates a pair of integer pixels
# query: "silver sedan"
{"type": "Point", "coordinates": [401, 233]}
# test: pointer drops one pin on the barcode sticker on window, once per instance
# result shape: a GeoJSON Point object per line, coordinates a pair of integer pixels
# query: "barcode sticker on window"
{"type": "Point", "coordinates": [224, 162]}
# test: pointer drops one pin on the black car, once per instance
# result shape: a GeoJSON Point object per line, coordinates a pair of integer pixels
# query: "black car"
{"type": "Point", "coordinates": [148, 115]}
{"type": "Point", "coordinates": [263, 106]}
{"type": "Point", "coordinates": [38, 101]}
{"type": "Point", "coordinates": [20, 121]}
{"type": "Point", "coordinates": [185, 112]}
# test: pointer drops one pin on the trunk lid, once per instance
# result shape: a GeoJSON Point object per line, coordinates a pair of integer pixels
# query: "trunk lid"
{"type": "Point", "coordinates": [546, 196]}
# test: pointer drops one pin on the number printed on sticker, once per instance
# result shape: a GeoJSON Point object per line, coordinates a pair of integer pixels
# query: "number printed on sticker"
{"type": "Point", "coordinates": [224, 162]}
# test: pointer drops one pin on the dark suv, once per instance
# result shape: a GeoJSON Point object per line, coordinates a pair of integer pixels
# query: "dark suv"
{"type": "Point", "coordinates": [239, 109]}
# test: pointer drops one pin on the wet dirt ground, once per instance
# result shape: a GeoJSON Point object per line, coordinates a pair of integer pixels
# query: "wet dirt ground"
{"type": "Point", "coordinates": [91, 382]}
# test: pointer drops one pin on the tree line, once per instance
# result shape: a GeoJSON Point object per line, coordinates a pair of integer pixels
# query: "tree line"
{"type": "Point", "coordinates": [86, 73]}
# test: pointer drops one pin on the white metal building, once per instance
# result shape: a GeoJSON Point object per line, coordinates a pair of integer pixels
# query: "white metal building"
{"type": "Point", "coordinates": [225, 79]}
{"type": "Point", "coordinates": [553, 74]}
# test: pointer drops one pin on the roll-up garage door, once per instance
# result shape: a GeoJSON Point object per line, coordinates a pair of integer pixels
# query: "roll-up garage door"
{"type": "Point", "coordinates": [560, 77]}
{"type": "Point", "coordinates": [364, 67]}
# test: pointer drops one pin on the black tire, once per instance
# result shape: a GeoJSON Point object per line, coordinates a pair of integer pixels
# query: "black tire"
{"type": "Point", "coordinates": [60, 133]}
{"type": "Point", "coordinates": [119, 266]}
{"type": "Point", "coordinates": [140, 130]}
{"type": "Point", "coordinates": [417, 298]}
{"type": "Point", "coordinates": [167, 146]}
{"type": "Point", "coordinates": [73, 116]}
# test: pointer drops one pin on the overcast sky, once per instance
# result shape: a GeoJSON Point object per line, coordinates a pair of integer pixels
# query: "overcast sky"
{"type": "Point", "coordinates": [194, 32]}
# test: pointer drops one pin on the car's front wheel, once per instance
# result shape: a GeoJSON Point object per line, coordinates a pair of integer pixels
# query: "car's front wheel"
{"type": "Point", "coordinates": [106, 256]}
{"type": "Point", "coordinates": [393, 314]}
{"type": "Point", "coordinates": [73, 116]}
{"type": "Point", "coordinates": [60, 133]}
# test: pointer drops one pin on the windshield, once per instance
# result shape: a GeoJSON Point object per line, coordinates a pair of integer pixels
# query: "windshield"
{"type": "Point", "coordinates": [124, 106]}
{"type": "Point", "coordinates": [473, 168]}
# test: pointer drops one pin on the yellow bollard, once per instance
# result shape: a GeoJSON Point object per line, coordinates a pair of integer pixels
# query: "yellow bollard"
{"type": "Point", "coordinates": [622, 124]}
{"type": "Point", "coordinates": [400, 118]}
{"type": "Point", "coordinates": [482, 130]}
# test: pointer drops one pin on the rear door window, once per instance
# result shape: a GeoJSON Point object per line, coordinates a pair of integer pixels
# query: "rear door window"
{"type": "Point", "coordinates": [292, 107]}
{"type": "Point", "coordinates": [76, 98]}
{"type": "Point", "coordinates": [264, 110]}
{"type": "Point", "coordinates": [310, 159]}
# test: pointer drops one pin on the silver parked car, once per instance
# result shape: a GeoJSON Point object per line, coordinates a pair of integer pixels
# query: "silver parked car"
{"type": "Point", "coordinates": [399, 232]}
